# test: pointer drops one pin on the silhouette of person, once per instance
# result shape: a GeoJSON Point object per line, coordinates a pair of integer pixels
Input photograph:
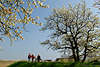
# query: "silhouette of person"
{"type": "Point", "coordinates": [33, 57]}
{"type": "Point", "coordinates": [38, 58]}
{"type": "Point", "coordinates": [29, 56]}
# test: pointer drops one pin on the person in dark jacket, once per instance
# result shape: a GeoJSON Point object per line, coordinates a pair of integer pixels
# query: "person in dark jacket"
{"type": "Point", "coordinates": [29, 57]}
{"type": "Point", "coordinates": [38, 58]}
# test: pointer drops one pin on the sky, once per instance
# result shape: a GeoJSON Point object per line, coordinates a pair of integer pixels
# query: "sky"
{"type": "Point", "coordinates": [20, 48]}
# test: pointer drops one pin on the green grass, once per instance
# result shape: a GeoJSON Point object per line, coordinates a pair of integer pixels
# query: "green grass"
{"type": "Point", "coordinates": [54, 64]}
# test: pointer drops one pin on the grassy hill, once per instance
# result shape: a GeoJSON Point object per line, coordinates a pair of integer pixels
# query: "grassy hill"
{"type": "Point", "coordinates": [53, 64]}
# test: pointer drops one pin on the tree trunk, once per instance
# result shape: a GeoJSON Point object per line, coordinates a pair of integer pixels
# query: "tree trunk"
{"type": "Point", "coordinates": [73, 50]}
{"type": "Point", "coordinates": [77, 53]}
{"type": "Point", "coordinates": [84, 54]}
{"type": "Point", "coordinates": [74, 56]}
{"type": "Point", "coordinates": [77, 50]}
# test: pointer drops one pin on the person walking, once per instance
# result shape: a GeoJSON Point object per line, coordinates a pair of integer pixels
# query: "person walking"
{"type": "Point", "coordinates": [29, 57]}
{"type": "Point", "coordinates": [33, 57]}
{"type": "Point", "coordinates": [38, 58]}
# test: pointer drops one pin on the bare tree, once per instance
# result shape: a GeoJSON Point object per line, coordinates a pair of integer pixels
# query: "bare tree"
{"type": "Point", "coordinates": [74, 29]}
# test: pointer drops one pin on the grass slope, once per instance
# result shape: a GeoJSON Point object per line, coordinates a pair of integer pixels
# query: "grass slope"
{"type": "Point", "coordinates": [53, 64]}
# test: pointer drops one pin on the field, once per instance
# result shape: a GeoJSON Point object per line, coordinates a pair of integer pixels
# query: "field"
{"type": "Point", "coordinates": [5, 63]}
{"type": "Point", "coordinates": [54, 64]}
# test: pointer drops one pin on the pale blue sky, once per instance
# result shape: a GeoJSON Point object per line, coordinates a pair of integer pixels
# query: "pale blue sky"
{"type": "Point", "coordinates": [33, 37]}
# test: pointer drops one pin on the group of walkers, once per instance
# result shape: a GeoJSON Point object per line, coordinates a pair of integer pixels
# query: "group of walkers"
{"type": "Point", "coordinates": [34, 58]}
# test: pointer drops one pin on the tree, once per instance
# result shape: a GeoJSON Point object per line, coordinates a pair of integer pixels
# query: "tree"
{"type": "Point", "coordinates": [15, 14]}
{"type": "Point", "coordinates": [75, 30]}
{"type": "Point", "coordinates": [97, 4]}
